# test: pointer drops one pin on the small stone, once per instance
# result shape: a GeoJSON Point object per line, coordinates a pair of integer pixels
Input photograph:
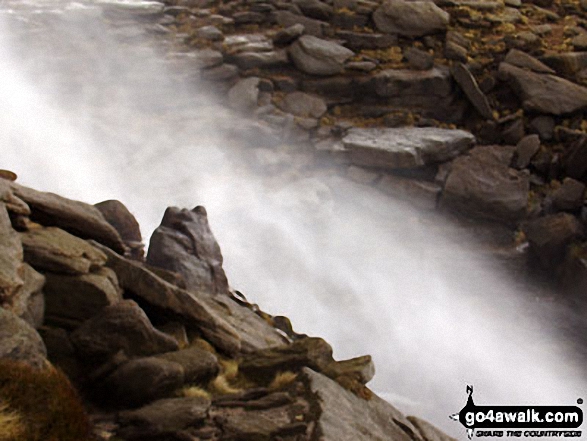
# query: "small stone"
{"type": "Point", "coordinates": [543, 126]}
{"type": "Point", "coordinates": [289, 34]}
{"type": "Point", "coordinates": [453, 51]}
{"type": "Point", "coordinates": [319, 57]}
{"type": "Point", "coordinates": [419, 59]}
{"type": "Point", "coordinates": [526, 149]}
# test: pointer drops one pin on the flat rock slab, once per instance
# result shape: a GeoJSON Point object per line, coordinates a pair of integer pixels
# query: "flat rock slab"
{"type": "Point", "coordinates": [53, 249]}
{"type": "Point", "coordinates": [405, 148]}
{"type": "Point", "coordinates": [19, 341]}
{"type": "Point", "coordinates": [468, 83]}
{"type": "Point", "coordinates": [544, 93]}
{"type": "Point", "coordinates": [409, 83]}
{"type": "Point", "coordinates": [235, 44]}
{"type": "Point", "coordinates": [81, 219]}
{"type": "Point", "coordinates": [411, 19]}
{"type": "Point", "coordinates": [319, 57]}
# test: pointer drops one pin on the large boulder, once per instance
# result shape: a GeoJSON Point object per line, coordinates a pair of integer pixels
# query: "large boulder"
{"type": "Point", "coordinates": [19, 341]}
{"type": "Point", "coordinates": [117, 215]}
{"type": "Point", "coordinates": [184, 243]}
{"type": "Point", "coordinates": [120, 327]}
{"type": "Point", "coordinates": [78, 218]}
{"type": "Point", "coordinates": [410, 18]}
{"type": "Point", "coordinates": [319, 57]}
{"type": "Point", "coordinates": [199, 365]}
{"type": "Point", "coordinates": [53, 249]}
{"type": "Point", "coordinates": [482, 185]}
{"type": "Point", "coordinates": [544, 93]}
{"type": "Point", "coordinates": [72, 299]}
{"type": "Point", "coordinates": [11, 255]}
{"type": "Point", "coordinates": [402, 148]}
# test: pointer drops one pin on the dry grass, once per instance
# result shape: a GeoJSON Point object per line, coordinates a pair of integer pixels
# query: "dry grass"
{"type": "Point", "coordinates": [221, 386]}
{"type": "Point", "coordinates": [229, 368]}
{"type": "Point", "coordinates": [11, 426]}
{"type": "Point", "coordinates": [46, 403]}
{"type": "Point", "coordinates": [282, 379]}
{"type": "Point", "coordinates": [203, 345]}
{"type": "Point", "coordinates": [194, 392]}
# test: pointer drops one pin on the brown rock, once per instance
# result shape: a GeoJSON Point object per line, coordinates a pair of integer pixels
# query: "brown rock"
{"type": "Point", "coordinates": [569, 196]}
{"type": "Point", "coordinates": [199, 365]}
{"type": "Point", "coordinates": [28, 302]}
{"type": "Point", "coordinates": [467, 81]}
{"type": "Point", "coordinates": [11, 255]}
{"type": "Point", "coordinates": [526, 149]}
{"type": "Point", "coordinates": [19, 341]}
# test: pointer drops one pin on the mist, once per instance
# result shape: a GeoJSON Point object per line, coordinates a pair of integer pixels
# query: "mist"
{"type": "Point", "coordinates": [92, 110]}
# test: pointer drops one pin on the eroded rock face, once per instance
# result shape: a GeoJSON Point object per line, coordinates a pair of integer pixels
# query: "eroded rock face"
{"type": "Point", "coordinates": [410, 19]}
{"type": "Point", "coordinates": [405, 147]}
{"type": "Point", "coordinates": [11, 255]}
{"type": "Point", "coordinates": [319, 57]}
{"type": "Point", "coordinates": [184, 243]}
{"type": "Point", "coordinates": [19, 341]}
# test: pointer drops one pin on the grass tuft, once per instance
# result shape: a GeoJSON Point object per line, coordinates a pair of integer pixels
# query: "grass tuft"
{"type": "Point", "coordinates": [282, 379]}
{"type": "Point", "coordinates": [11, 426]}
{"type": "Point", "coordinates": [194, 392]}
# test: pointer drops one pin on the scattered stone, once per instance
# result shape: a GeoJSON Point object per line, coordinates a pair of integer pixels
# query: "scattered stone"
{"type": "Point", "coordinates": [513, 131]}
{"type": "Point", "coordinates": [486, 188]}
{"type": "Point", "coordinates": [319, 57]}
{"type": "Point", "coordinates": [397, 82]}
{"type": "Point", "coordinates": [138, 382]}
{"type": "Point", "coordinates": [569, 196]}
{"type": "Point", "coordinates": [52, 249]}
{"type": "Point", "coordinates": [248, 17]}
{"type": "Point", "coordinates": [405, 147]}
{"type": "Point", "coordinates": [289, 34]}
{"type": "Point", "coordinates": [76, 217]}
{"type": "Point", "coordinates": [184, 243]}
{"type": "Point", "coordinates": [20, 342]}
{"type": "Point", "coordinates": [74, 299]}
{"type": "Point", "coordinates": [303, 105]}
{"type": "Point", "coordinates": [419, 59]}
{"type": "Point", "coordinates": [243, 96]}
{"type": "Point", "coordinates": [410, 19]}
{"type": "Point", "coordinates": [575, 159]}
{"type": "Point", "coordinates": [235, 44]}
{"type": "Point", "coordinates": [544, 93]}
{"type": "Point", "coordinates": [362, 66]}
{"type": "Point", "coordinates": [120, 327]}
{"type": "Point", "coordinates": [521, 59]}
{"type": "Point", "coordinates": [162, 418]}
{"type": "Point", "coordinates": [467, 81]}
{"type": "Point", "coordinates": [549, 236]}
{"type": "Point", "coordinates": [526, 149]}
{"type": "Point", "coordinates": [543, 126]}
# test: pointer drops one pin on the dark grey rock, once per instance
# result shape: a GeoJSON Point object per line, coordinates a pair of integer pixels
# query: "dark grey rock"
{"type": "Point", "coordinates": [567, 63]}
{"type": "Point", "coordinates": [411, 19]}
{"type": "Point", "coordinates": [467, 81]}
{"type": "Point", "coordinates": [453, 51]}
{"type": "Point", "coordinates": [359, 40]}
{"type": "Point", "coordinates": [543, 126]}
{"type": "Point", "coordinates": [419, 59]}
{"type": "Point", "coordinates": [289, 34]}
{"type": "Point", "coordinates": [11, 255]}
{"type": "Point", "coordinates": [199, 366]}
{"type": "Point", "coordinates": [569, 196]}
{"type": "Point", "coordinates": [315, 9]}
{"type": "Point", "coordinates": [575, 159]}
{"type": "Point", "coordinates": [28, 302]}
{"type": "Point", "coordinates": [311, 26]}
{"type": "Point", "coordinates": [521, 59]}
{"type": "Point", "coordinates": [319, 57]}
{"type": "Point", "coordinates": [261, 60]}
{"type": "Point", "coordinates": [526, 149]}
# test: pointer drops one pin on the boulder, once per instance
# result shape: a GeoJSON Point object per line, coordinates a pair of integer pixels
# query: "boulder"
{"type": "Point", "coordinates": [289, 34]}
{"type": "Point", "coordinates": [28, 302]}
{"type": "Point", "coordinates": [315, 9]}
{"type": "Point", "coordinates": [76, 217]}
{"type": "Point", "coordinates": [481, 186]}
{"type": "Point", "coordinates": [419, 59]}
{"type": "Point", "coordinates": [357, 41]}
{"type": "Point", "coordinates": [410, 18]}
{"type": "Point", "coordinates": [400, 148]}
{"type": "Point", "coordinates": [521, 59]}
{"type": "Point", "coordinates": [184, 243]}
{"type": "Point", "coordinates": [526, 149]}
{"type": "Point", "coordinates": [13, 204]}
{"type": "Point", "coordinates": [569, 196]}
{"type": "Point", "coordinates": [311, 26]}
{"type": "Point", "coordinates": [120, 327]}
{"type": "Point", "coordinates": [319, 57]}
{"type": "Point", "coordinates": [117, 215]}
{"type": "Point", "coordinates": [361, 368]}
{"type": "Point", "coordinates": [240, 43]}
{"type": "Point", "coordinates": [53, 249]}
{"type": "Point", "coordinates": [544, 93]}
{"type": "Point", "coordinates": [303, 105]}
{"type": "Point", "coordinates": [19, 341]}
{"type": "Point", "coordinates": [549, 236]}
{"type": "Point", "coordinates": [243, 96]}
{"type": "Point", "coordinates": [467, 81]}
{"type": "Point", "coordinates": [162, 418]}
{"type": "Point", "coordinates": [567, 63]}
{"type": "Point", "coordinates": [195, 309]}
{"type": "Point", "coordinates": [72, 299]}
{"type": "Point", "coordinates": [11, 255]}
{"type": "Point", "coordinates": [141, 381]}
{"type": "Point", "coordinates": [199, 365]}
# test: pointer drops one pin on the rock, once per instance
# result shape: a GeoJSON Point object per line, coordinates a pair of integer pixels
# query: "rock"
{"type": "Point", "coordinates": [467, 81]}
{"type": "Point", "coordinates": [580, 42]}
{"type": "Point", "coordinates": [413, 86]}
{"type": "Point", "coordinates": [549, 236]}
{"type": "Point", "coordinates": [361, 368]}
{"type": "Point", "coordinates": [419, 59]}
{"type": "Point", "coordinates": [513, 131]}
{"type": "Point", "coordinates": [315, 9]}
{"type": "Point", "coordinates": [526, 149]}
{"type": "Point", "coordinates": [544, 93]}
{"type": "Point", "coordinates": [248, 17]}
{"type": "Point", "coordinates": [138, 382]}
{"type": "Point", "coordinates": [207, 58]}
{"type": "Point", "coordinates": [117, 215]}
{"type": "Point", "coordinates": [337, 89]}
{"type": "Point", "coordinates": [569, 196]}
{"type": "Point", "coordinates": [521, 59]}
{"type": "Point", "coordinates": [192, 308]}
{"type": "Point", "coordinates": [421, 194]}
{"type": "Point", "coordinates": [20, 342]}
{"type": "Point", "coordinates": [13, 204]}
{"type": "Point", "coordinates": [184, 243]}
{"type": "Point", "coordinates": [177, 331]}
{"type": "Point", "coordinates": [240, 43]}
{"type": "Point", "coordinates": [261, 60]}
{"type": "Point", "coordinates": [575, 159]}
{"type": "Point", "coordinates": [453, 51]}
{"type": "Point", "coordinates": [28, 302]}
{"type": "Point", "coordinates": [362, 66]}
{"type": "Point", "coordinates": [199, 366]}
{"type": "Point", "coordinates": [343, 416]}
{"type": "Point", "coordinates": [243, 95]}
{"type": "Point", "coordinates": [410, 19]}
{"type": "Point", "coordinates": [11, 255]}
{"type": "Point", "coordinates": [319, 57]}
{"type": "Point", "coordinates": [210, 33]}
{"type": "Point", "coordinates": [289, 34]}
{"type": "Point", "coordinates": [78, 218]}
{"type": "Point", "coordinates": [405, 147]}
{"type": "Point", "coordinates": [567, 63]}
{"type": "Point", "coordinates": [141, 10]}
{"type": "Point", "coordinates": [486, 188]}
{"type": "Point", "coordinates": [303, 105]}
{"type": "Point", "coordinates": [312, 27]}
{"type": "Point", "coordinates": [427, 431]}
{"type": "Point", "coordinates": [223, 73]}
{"type": "Point", "coordinates": [543, 126]}
{"type": "Point", "coordinates": [120, 327]}
{"type": "Point", "coordinates": [74, 299]}
{"type": "Point", "coordinates": [264, 364]}
{"type": "Point", "coordinates": [162, 418]}
{"type": "Point", "coordinates": [357, 41]}
{"type": "Point", "coordinates": [259, 425]}
{"type": "Point", "coordinates": [52, 249]}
